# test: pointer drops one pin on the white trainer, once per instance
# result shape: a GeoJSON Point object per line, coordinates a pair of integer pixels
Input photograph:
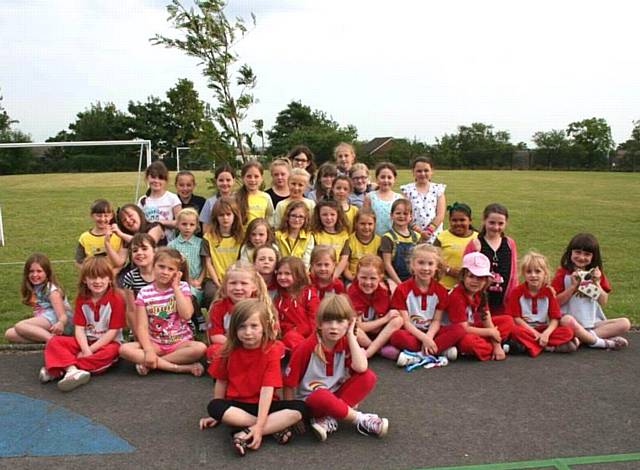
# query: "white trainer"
{"type": "Point", "coordinates": [73, 379]}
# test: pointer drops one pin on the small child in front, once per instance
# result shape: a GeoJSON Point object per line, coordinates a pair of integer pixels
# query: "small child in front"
{"type": "Point", "coordinates": [99, 319]}
{"type": "Point", "coordinates": [247, 372]}
{"type": "Point", "coordinates": [163, 309]}
{"type": "Point", "coordinates": [329, 370]}
{"type": "Point", "coordinates": [536, 311]}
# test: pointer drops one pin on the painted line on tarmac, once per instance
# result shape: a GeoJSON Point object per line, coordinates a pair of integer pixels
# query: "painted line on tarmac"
{"type": "Point", "coordinates": [560, 463]}
{"type": "Point", "coordinates": [30, 427]}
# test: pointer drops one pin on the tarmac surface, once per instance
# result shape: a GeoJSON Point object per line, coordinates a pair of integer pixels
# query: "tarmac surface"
{"type": "Point", "coordinates": [521, 413]}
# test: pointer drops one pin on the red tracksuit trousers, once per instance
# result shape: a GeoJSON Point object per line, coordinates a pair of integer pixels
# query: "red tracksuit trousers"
{"type": "Point", "coordinates": [561, 335]}
{"type": "Point", "coordinates": [62, 352]}
{"type": "Point", "coordinates": [482, 347]}
{"type": "Point", "coordinates": [447, 336]}
{"type": "Point", "coordinates": [323, 402]}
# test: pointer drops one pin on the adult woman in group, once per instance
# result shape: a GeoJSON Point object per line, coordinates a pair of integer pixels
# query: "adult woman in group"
{"type": "Point", "coordinates": [301, 156]}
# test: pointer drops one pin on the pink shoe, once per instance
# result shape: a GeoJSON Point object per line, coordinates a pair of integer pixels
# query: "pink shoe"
{"type": "Point", "coordinates": [389, 352]}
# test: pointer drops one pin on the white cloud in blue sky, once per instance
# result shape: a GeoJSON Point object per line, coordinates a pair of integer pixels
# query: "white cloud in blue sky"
{"type": "Point", "coordinates": [403, 68]}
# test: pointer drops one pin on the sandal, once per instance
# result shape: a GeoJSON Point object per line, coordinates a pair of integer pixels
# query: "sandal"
{"type": "Point", "coordinates": [283, 437]}
{"type": "Point", "coordinates": [240, 443]}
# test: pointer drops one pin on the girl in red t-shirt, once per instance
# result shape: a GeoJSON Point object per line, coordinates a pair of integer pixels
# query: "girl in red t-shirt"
{"type": "Point", "coordinates": [536, 311]}
{"type": "Point", "coordinates": [330, 371]}
{"type": "Point", "coordinates": [468, 306]}
{"type": "Point", "coordinates": [296, 302]}
{"type": "Point", "coordinates": [247, 372]}
{"type": "Point", "coordinates": [323, 268]}
{"type": "Point", "coordinates": [370, 298]}
{"type": "Point", "coordinates": [241, 281]}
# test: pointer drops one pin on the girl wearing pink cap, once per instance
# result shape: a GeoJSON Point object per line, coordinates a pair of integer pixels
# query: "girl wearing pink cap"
{"type": "Point", "coordinates": [468, 306]}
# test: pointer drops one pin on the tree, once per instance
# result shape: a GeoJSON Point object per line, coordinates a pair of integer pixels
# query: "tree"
{"type": "Point", "coordinates": [475, 146]}
{"type": "Point", "coordinates": [299, 124]}
{"type": "Point", "coordinates": [594, 137]}
{"type": "Point", "coordinates": [151, 121]}
{"type": "Point", "coordinates": [552, 148]}
{"type": "Point", "coordinates": [631, 149]}
{"type": "Point", "coordinates": [185, 112]}
{"type": "Point", "coordinates": [13, 160]}
{"type": "Point", "coordinates": [210, 37]}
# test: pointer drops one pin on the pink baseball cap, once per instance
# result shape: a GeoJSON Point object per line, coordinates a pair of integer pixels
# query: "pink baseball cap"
{"type": "Point", "coordinates": [478, 264]}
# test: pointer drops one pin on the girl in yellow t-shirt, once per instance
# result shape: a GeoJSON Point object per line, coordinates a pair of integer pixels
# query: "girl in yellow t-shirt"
{"type": "Point", "coordinates": [363, 241]}
{"type": "Point", "coordinates": [293, 237]}
{"type": "Point", "coordinates": [329, 225]}
{"type": "Point", "coordinates": [224, 238]}
{"type": "Point", "coordinates": [253, 203]}
{"type": "Point", "coordinates": [454, 240]}
{"type": "Point", "coordinates": [342, 187]}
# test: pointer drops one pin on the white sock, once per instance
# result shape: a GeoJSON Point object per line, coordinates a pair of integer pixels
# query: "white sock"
{"type": "Point", "coordinates": [600, 343]}
{"type": "Point", "coordinates": [71, 369]}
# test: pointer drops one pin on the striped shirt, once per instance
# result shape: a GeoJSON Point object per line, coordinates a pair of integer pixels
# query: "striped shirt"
{"type": "Point", "coordinates": [165, 325]}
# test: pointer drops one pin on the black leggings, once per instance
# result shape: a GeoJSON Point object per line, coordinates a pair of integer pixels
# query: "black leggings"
{"type": "Point", "coordinates": [218, 407]}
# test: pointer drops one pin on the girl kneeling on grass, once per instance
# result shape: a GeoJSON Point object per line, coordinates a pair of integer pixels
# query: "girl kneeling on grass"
{"type": "Point", "coordinates": [51, 311]}
{"type": "Point", "coordinates": [247, 372]}
{"type": "Point", "coordinates": [163, 310]}
{"type": "Point", "coordinates": [99, 319]}
{"type": "Point", "coordinates": [329, 370]}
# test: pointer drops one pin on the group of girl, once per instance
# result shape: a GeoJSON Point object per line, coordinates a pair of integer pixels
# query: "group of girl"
{"type": "Point", "coordinates": [323, 292]}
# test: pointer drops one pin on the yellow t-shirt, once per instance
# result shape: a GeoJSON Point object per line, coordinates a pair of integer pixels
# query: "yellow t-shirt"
{"type": "Point", "coordinates": [334, 240]}
{"type": "Point", "coordinates": [350, 215]}
{"type": "Point", "coordinates": [356, 250]}
{"type": "Point", "coordinates": [224, 253]}
{"type": "Point", "coordinates": [282, 207]}
{"type": "Point", "coordinates": [452, 251]}
{"type": "Point", "coordinates": [260, 205]}
{"type": "Point", "coordinates": [301, 247]}
{"type": "Point", "coordinates": [93, 245]}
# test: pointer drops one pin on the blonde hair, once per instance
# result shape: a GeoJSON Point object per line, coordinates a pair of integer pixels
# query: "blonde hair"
{"type": "Point", "coordinates": [242, 266]}
{"type": "Point", "coordinates": [299, 173]}
{"type": "Point", "coordinates": [423, 249]}
{"type": "Point", "coordinates": [186, 212]}
{"type": "Point", "coordinates": [280, 162]}
{"type": "Point", "coordinates": [332, 307]}
{"type": "Point", "coordinates": [241, 312]}
{"type": "Point", "coordinates": [533, 259]}
{"type": "Point", "coordinates": [371, 261]}
{"type": "Point", "coordinates": [341, 145]}
{"type": "Point", "coordinates": [323, 250]}
{"type": "Point", "coordinates": [93, 268]}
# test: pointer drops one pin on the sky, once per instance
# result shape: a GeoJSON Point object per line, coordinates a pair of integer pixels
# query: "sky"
{"type": "Point", "coordinates": [402, 68]}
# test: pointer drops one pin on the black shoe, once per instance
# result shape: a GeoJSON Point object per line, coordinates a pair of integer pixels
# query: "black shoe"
{"type": "Point", "coordinates": [515, 347]}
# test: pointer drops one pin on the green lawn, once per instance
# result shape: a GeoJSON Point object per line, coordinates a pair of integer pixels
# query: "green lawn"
{"type": "Point", "coordinates": [48, 212]}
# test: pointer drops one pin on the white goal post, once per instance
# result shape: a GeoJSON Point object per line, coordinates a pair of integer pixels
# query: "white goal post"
{"type": "Point", "coordinates": [144, 145]}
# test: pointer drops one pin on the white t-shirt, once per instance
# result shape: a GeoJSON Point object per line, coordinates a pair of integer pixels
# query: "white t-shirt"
{"type": "Point", "coordinates": [160, 209]}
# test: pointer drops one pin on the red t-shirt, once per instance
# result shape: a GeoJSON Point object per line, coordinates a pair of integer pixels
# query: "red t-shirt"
{"type": "Point", "coordinates": [369, 306]}
{"type": "Point", "coordinates": [248, 370]}
{"type": "Point", "coordinates": [336, 286]}
{"type": "Point", "coordinates": [533, 304]}
{"type": "Point", "coordinates": [219, 316]}
{"type": "Point", "coordinates": [463, 307]}
{"type": "Point", "coordinates": [106, 314]}
{"type": "Point", "coordinates": [558, 280]}
{"type": "Point", "coordinates": [298, 312]}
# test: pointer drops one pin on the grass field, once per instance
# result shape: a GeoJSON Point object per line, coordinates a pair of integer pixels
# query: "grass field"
{"type": "Point", "coordinates": [48, 212]}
